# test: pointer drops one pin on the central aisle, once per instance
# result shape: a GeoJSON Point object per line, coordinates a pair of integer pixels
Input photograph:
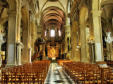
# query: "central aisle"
{"type": "Point", "coordinates": [57, 76]}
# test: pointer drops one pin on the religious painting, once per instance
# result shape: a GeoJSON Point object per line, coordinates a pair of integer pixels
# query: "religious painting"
{"type": "Point", "coordinates": [52, 52]}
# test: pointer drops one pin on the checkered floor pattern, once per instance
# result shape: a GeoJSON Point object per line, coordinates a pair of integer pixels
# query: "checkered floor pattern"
{"type": "Point", "coordinates": [57, 76]}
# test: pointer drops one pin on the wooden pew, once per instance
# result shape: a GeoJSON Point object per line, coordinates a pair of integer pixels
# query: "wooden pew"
{"type": "Point", "coordinates": [35, 73]}
{"type": "Point", "coordinates": [84, 73]}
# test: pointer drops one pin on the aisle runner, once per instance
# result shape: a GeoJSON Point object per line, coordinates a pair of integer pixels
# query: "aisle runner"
{"type": "Point", "coordinates": [57, 76]}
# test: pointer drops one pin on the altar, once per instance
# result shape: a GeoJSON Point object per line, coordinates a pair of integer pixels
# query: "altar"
{"type": "Point", "coordinates": [53, 52]}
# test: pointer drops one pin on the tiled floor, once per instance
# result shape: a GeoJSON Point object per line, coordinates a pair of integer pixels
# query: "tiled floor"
{"type": "Point", "coordinates": [57, 76]}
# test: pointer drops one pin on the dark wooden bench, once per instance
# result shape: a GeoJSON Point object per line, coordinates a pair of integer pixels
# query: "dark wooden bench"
{"type": "Point", "coordinates": [35, 72]}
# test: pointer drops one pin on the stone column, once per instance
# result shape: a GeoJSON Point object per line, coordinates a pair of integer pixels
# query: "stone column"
{"type": "Point", "coordinates": [33, 33]}
{"type": "Point", "coordinates": [97, 30]}
{"type": "Point", "coordinates": [26, 51]}
{"type": "Point", "coordinates": [83, 34]}
{"type": "Point", "coordinates": [67, 35]}
{"type": "Point", "coordinates": [18, 25]}
{"type": "Point", "coordinates": [26, 35]}
{"type": "Point", "coordinates": [109, 51]}
{"type": "Point", "coordinates": [83, 43]}
{"type": "Point", "coordinates": [18, 19]}
{"type": "Point", "coordinates": [30, 54]}
{"type": "Point", "coordinates": [66, 42]}
{"type": "Point", "coordinates": [11, 49]}
{"type": "Point", "coordinates": [75, 51]}
{"type": "Point", "coordinates": [20, 46]}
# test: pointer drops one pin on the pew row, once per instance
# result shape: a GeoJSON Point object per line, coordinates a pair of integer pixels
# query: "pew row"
{"type": "Point", "coordinates": [84, 73]}
{"type": "Point", "coordinates": [31, 73]}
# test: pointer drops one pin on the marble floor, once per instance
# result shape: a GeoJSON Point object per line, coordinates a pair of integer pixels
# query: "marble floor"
{"type": "Point", "coordinates": [56, 75]}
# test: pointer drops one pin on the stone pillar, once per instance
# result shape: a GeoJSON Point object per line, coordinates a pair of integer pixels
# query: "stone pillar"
{"type": "Point", "coordinates": [20, 46]}
{"type": "Point", "coordinates": [83, 35]}
{"type": "Point", "coordinates": [83, 43]}
{"type": "Point", "coordinates": [26, 35]}
{"type": "Point", "coordinates": [66, 42]}
{"type": "Point", "coordinates": [30, 54]}
{"type": "Point", "coordinates": [109, 51]}
{"type": "Point", "coordinates": [11, 49]}
{"type": "Point", "coordinates": [67, 35]}
{"type": "Point", "coordinates": [18, 19]}
{"type": "Point", "coordinates": [18, 25]}
{"type": "Point", "coordinates": [75, 51]}
{"type": "Point", "coordinates": [97, 30]}
{"type": "Point", "coordinates": [33, 33]}
{"type": "Point", "coordinates": [25, 51]}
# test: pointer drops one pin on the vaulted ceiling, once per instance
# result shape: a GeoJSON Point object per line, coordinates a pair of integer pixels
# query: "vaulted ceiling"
{"type": "Point", "coordinates": [52, 12]}
{"type": "Point", "coordinates": [52, 15]}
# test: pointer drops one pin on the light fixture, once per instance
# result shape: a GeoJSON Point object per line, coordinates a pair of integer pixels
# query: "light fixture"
{"type": "Point", "coordinates": [52, 33]}
{"type": "Point", "coordinates": [59, 33]}
{"type": "Point", "coordinates": [45, 33]}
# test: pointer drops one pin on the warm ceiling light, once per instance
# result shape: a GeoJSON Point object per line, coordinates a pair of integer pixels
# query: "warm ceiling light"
{"type": "Point", "coordinates": [59, 33]}
{"type": "Point", "coordinates": [52, 33]}
{"type": "Point", "coordinates": [45, 33]}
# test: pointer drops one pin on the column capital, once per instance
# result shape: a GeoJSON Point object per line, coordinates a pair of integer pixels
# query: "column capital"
{"type": "Point", "coordinates": [96, 12]}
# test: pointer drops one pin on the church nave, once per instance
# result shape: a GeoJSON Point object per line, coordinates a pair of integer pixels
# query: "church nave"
{"type": "Point", "coordinates": [56, 41]}
{"type": "Point", "coordinates": [56, 75]}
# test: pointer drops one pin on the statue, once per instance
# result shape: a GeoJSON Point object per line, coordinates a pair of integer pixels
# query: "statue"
{"type": "Point", "coordinates": [109, 39]}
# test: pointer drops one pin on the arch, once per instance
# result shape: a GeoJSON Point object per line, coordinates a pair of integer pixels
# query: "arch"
{"type": "Point", "coordinates": [53, 9]}
{"type": "Point", "coordinates": [59, 5]}
{"type": "Point", "coordinates": [53, 14]}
